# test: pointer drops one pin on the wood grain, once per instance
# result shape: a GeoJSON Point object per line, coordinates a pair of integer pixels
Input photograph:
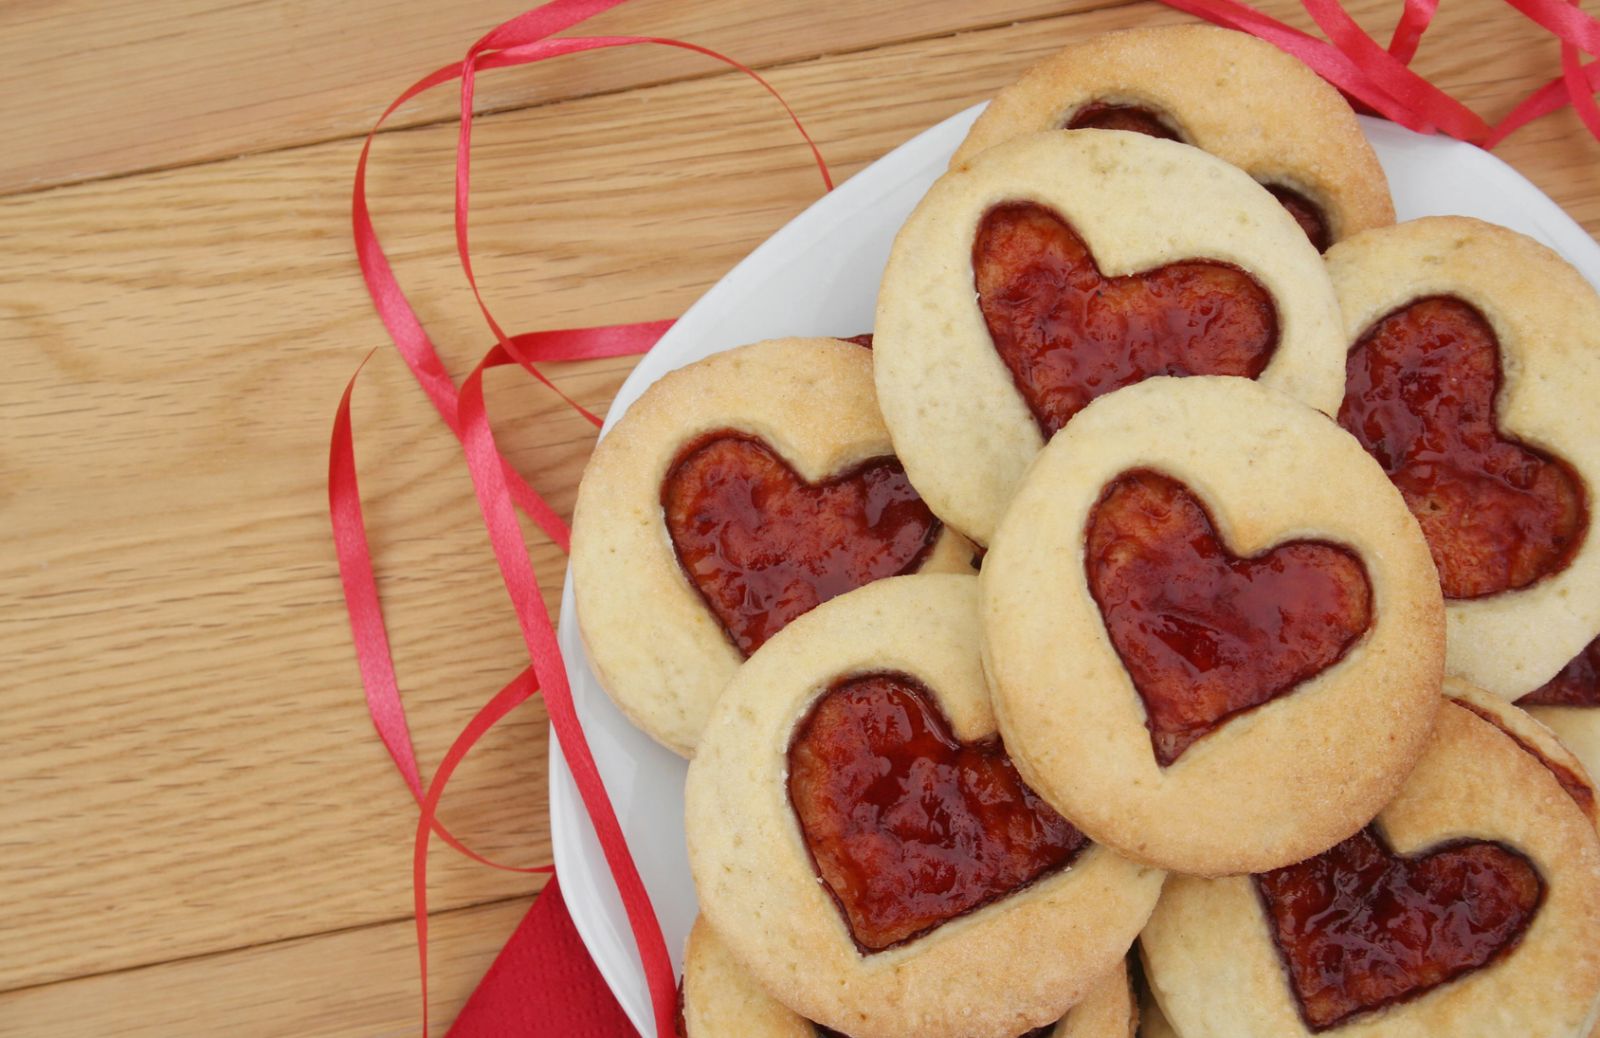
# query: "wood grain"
{"type": "Point", "coordinates": [363, 983]}
{"type": "Point", "coordinates": [189, 763]}
{"type": "Point", "coordinates": [102, 88]}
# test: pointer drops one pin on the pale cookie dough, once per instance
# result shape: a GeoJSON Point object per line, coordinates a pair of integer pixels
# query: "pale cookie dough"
{"type": "Point", "coordinates": [1536, 738]}
{"type": "Point", "coordinates": [1015, 963]}
{"type": "Point", "coordinates": [720, 1000]}
{"type": "Point", "coordinates": [1237, 97]}
{"type": "Point", "coordinates": [1578, 728]}
{"type": "Point", "coordinates": [1209, 953]}
{"type": "Point", "coordinates": [1547, 320]}
{"type": "Point", "coordinates": [959, 424]}
{"type": "Point", "coordinates": [1279, 782]}
{"type": "Point", "coordinates": [654, 645]}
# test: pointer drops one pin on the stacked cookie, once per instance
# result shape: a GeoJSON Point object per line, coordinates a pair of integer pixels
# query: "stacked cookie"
{"type": "Point", "coordinates": [1149, 580]}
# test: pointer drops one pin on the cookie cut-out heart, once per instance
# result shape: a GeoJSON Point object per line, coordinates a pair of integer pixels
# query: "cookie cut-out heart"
{"type": "Point", "coordinates": [1420, 391]}
{"type": "Point", "coordinates": [1069, 334]}
{"type": "Point", "coordinates": [1204, 634]}
{"type": "Point", "coordinates": [1360, 928]}
{"type": "Point", "coordinates": [908, 827]}
{"type": "Point", "coordinates": [1100, 115]}
{"type": "Point", "coordinates": [1577, 684]}
{"type": "Point", "coordinates": [762, 546]}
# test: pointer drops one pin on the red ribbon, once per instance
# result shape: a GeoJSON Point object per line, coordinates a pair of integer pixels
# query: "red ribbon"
{"type": "Point", "coordinates": [499, 488]}
{"type": "Point", "coordinates": [1372, 75]}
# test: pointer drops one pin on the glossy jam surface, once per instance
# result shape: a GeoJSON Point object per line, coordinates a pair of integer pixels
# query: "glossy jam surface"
{"type": "Point", "coordinates": [908, 827]}
{"type": "Point", "coordinates": [1576, 786]}
{"type": "Point", "coordinates": [1098, 115]}
{"type": "Point", "coordinates": [1203, 633]}
{"type": "Point", "coordinates": [1069, 334]}
{"type": "Point", "coordinates": [1578, 683]}
{"type": "Point", "coordinates": [1420, 396]}
{"type": "Point", "coordinates": [1306, 213]}
{"type": "Point", "coordinates": [763, 546]}
{"type": "Point", "coordinates": [864, 339]}
{"type": "Point", "coordinates": [1360, 928]}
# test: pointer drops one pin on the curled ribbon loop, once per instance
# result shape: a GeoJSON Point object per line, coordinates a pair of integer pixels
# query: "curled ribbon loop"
{"type": "Point", "coordinates": [1371, 75]}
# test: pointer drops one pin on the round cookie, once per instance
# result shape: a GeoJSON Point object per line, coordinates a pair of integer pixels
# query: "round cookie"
{"type": "Point", "coordinates": [721, 1001]}
{"type": "Point", "coordinates": [1502, 466]}
{"type": "Point", "coordinates": [1152, 1022]}
{"type": "Point", "coordinates": [1170, 233]}
{"type": "Point", "coordinates": [1522, 961]}
{"type": "Point", "coordinates": [818, 886]}
{"type": "Point", "coordinates": [1227, 93]}
{"type": "Point", "coordinates": [753, 461]}
{"type": "Point", "coordinates": [1535, 738]}
{"type": "Point", "coordinates": [1213, 630]}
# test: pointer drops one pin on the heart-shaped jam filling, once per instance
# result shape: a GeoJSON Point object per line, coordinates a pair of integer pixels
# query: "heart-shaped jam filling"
{"type": "Point", "coordinates": [1203, 633]}
{"type": "Point", "coordinates": [1069, 334]}
{"type": "Point", "coordinates": [1420, 392]}
{"type": "Point", "coordinates": [908, 827]}
{"type": "Point", "coordinates": [1578, 683]}
{"type": "Point", "coordinates": [763, 546]}
{"type": "Point", "coordinates": [1359, 927]}
{"type": "Point", "coordinates": [1101, 115]}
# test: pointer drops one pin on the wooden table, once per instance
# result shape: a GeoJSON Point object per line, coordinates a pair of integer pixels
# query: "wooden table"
{"type": "Point", "coordinates": [199, 832]}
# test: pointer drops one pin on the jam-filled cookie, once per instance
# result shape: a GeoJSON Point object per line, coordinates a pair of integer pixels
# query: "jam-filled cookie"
{"type": "Point", "coordinates": [1061, 266]}
{"type": "Point", "coordinates": [1467, 908]}
{"type": "Point", "coordinates": [720, 1000]}
{"type": "Point", "coordinates": [863, 844]}
{"type": "Point", "coordinates": [734, 495]}
{"type": "Point", "coordinates": [1213, 630]}
{"type": "Point", "coordinates": [1534, 737]}
{"type": "Point", "coordinates": [1472, 376]}
{"type": "Point", "coordinates": [1569, 703]}
{"type": "Point", "coordinates": [1237, 97]}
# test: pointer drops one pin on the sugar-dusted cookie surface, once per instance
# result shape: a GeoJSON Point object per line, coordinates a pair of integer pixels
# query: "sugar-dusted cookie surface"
{"type": "Point", "coordinates": [735, 494]}
{"type": "Point", "coordinates": [721, 1000]}
{"type": "Point", "coordinates": [1467, 908]}
{"type": "Point", "coordinates": [1473, 370]}
{"type": "Point", "coordinates": [1060, 266]}
{"type": "Point", "coordinates": [861, 842]}
{"type": "Point", "coordinates": [1213, 629]}
{"type": "Point", "coordinates": [1232, 95]}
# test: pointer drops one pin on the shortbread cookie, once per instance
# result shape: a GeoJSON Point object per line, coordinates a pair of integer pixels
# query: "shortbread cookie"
{"type": "Point", "coordinates": [720, 1000]}
{"type": "Point", "coordinates": [1472, 377]}
{"type": "Point", "coordinates": [1237, 97]}
{"type": "Point", "coordinates": [1534, 737]}
{"type": "Point", "coordinates": [1152, 1022]}
{"type": "Point", "coordinates": [1570, 704]}
{"type": "Point", "coordinates": [863, 845]}
{"type": "Point", "coordinates": [1061, 266]}
{"type": "Point", "coordinates": [1468, 908]}
{"type": "Point", "coordinates": [734, 495]}
{"type": "Point", "coordinates": [1213, 630]}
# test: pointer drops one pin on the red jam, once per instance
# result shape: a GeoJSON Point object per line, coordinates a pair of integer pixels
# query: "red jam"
{"type": "Point", "coordinates": [1419, 394]}
{"type": "Point", "coordinates": [1069, 334]}
{"type": "Point", "coordinates": [908, 827]}
{"type": "Point", "coordinates": [1204, 634]}
{"type": "Point", "coordinates": [1578, 683]}
{"type": "Point", "coordinates": [1306, 213]}
{"type": "Point", "coordinates": [1360, 928]}
{"type": "Point", "coordinates": [1098, 115]}
{"type": "Point", "coordinates": [864, 339]}
{"type": "Point", "coordinates": [762, 546]}
{"type": "Point", "coordinates": [1576, 786]}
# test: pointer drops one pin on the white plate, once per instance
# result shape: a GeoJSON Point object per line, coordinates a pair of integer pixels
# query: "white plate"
{"type": "Point", "coordinates": [819, 276]}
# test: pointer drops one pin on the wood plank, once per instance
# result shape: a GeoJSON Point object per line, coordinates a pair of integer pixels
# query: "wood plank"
{"type": "Point", "coordinates": [358, 983]}
{"type": "Point", "coordinates": [186, 747]}
{"type": "Point", "coordinates": [100, 88]}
